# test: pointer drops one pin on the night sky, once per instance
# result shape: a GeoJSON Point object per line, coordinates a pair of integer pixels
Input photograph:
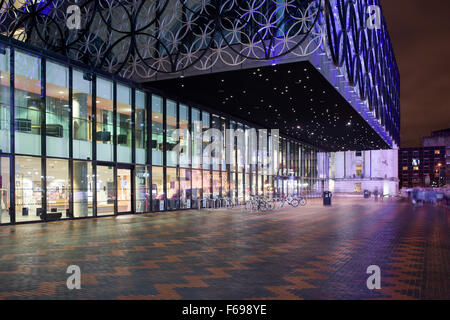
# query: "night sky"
{"type": "Point", "coordinates": [420, 34]}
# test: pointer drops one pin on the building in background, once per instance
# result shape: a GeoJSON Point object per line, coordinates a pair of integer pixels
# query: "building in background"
{"type": "Point", "coordinates": [422, 167]}
{"type": "Point", "coordinates": [353, 172]}
{"type": "Point", "coordinates": [441, 138]}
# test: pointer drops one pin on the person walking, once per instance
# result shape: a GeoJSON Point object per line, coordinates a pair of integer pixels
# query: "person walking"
{"type": "Point", "coordinates": [375, 194]}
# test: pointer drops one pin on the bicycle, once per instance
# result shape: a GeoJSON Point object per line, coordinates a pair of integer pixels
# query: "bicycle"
{"type": "Point", "coordinates": [228, 203]}
{"type": "Point", "coordinates": [256, 204]}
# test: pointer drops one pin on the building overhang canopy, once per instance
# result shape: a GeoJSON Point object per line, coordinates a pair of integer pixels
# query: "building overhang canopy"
{"type": "Point", "coordinates": [294, 98]}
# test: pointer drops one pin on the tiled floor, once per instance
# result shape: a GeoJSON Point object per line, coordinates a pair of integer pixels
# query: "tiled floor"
{"type": "Point", "coordinates": [313, 252]}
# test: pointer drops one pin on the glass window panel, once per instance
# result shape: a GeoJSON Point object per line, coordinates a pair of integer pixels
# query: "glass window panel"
{"type": "Point", "coordinates": [158, 196]}
{"type": "Point", "coordinates": [104, 120]}
{"type": "Point", "coordinates": [240, 157]}
{"type": "Point", "coordinates": [28, 188]}
{"type": "Point", "coordinates": [185, 188]}
{"type": "Point", "coordinates": [157, 130]}
{"type": "Point", "coordinates": [83, 186]}
{"type": "Point", "coordinates": [216, 158]}
{"type": "Point", "coordinates": [253, 183]}
{"type": "Point", "coordinates": [260, 185]}
{"type": "Point", "coordinates": [142, 189]}
{"type": "Point", "coordinates": [4, 190]}
{"type": "Point", "coordinates": [196, 187]}
{"type": "Point", "coordinates": [223, 129]}
{"type": "Point", "coordinates": [247, 187]}
{"type": "Point", "coordinates": [57, 110]}
{"type": "Point", "coordinates": [171, 126]}
{"type": "Point", "coordinates": [106, 190]}
{"type": "Point", "coordinates": [58, 186]}
{"type": "Point", "coordinates": [206, 142]}
{"type": "Point", "coordinates": [141, 127]}
{"type": "Point", "coordinates": [225, 184]}
{"type": "Point", "coordinates": [124, 124]}
{"type": "Point", "coordinates": [233, 143]}
{"type": "Point", "coordinates": [172, 189]}
{"type": "Point", "coordinates": [28, 106]}
{"type": "Point", "coordinates": [240, 186]}
{"type": "Point", "coordinates": [206, 184]}
{"type": "Point", "coordinates": [5, 102]}
{"type": "Point", "coordinates": [185, 154]}
{"type": "Point", "coordinates": [216, 184]}
{"type": "Point", "coordinates": [196, 138]}
{"type": "Point", "coordinates": [232, 185]}
{"type": "Point", "coordinates": [81, 115]}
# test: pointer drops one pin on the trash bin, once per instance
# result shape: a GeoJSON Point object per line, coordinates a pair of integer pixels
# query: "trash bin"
{"type": "Point", "coordinates": [327, 198]}
{"type": "Point", "coordinates": [366, 194]}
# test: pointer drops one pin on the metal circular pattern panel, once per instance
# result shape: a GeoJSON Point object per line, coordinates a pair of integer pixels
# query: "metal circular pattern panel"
{"type": "Point", "coordinates": [145, 37]}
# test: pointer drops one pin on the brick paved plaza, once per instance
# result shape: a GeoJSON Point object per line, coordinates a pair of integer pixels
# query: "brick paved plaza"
{"type": "Point", "coordinates": [313, 252]}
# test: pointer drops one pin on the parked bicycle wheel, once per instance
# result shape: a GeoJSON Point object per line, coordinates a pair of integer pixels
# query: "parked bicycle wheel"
{"type": "Point", "coordinates": [303, 202]}
{"type": "Point", "coordinates": [294, 203]}
{"type": "Point", "coordinates": [262, 206]}
{"type": "Point", "coordinates": [270, 204]}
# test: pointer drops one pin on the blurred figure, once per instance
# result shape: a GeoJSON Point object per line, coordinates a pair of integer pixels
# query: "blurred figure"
{"type": "Point", "coordinates": [375, 193]}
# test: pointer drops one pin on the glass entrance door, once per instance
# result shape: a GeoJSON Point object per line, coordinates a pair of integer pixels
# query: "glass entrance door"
{"type": "Point", "coordinates": [124, 190]}
{"type": "Point", "coordinates": [106, 191]}
{"type": "Point", "coordinates": [4, 190]}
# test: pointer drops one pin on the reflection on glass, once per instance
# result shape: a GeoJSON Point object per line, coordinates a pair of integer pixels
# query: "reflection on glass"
{"type": "Point", "coordinates": [142, 189]}
{"type": "Point", "coordinates": [58, 187]}
{"type": "Point", "coordinates": [106, 191]}
{"type": "Point", "coordinates": [28, 189]}
{"type": "Point", "coordinates": [158, 196]}
{"type": "Point", "coordinates": [157, 131]}
{"type": "Point", "coordinates": [57, 110]}
{"type": "Point", "coordinates": [4, 190]}
{"type": "Point", "coordinates": [124, 125]}
{"type": "Point", "coordinates": [141, 127]}
{"type": "Point", "coordinates": [82, 115]}
{"type": "Point", "coordinates": [82, 189]}
{"type": "Point", "coordinates": [104, 120]}
{"type": "Point", "coordinates": [5, 103]}
{"type": "Point", "coordinates": [27, 98]}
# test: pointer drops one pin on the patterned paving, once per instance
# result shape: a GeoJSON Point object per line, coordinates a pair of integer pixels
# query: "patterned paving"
{"type": "Point", "coordinates": [314, 252]}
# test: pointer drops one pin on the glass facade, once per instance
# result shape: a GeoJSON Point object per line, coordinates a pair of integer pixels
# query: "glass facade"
{"type": "Point", "coordinates": [105, 147]}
